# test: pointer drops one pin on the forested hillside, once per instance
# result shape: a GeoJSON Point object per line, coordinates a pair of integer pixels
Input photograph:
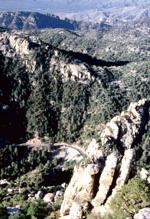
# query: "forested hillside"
{"type": "Point", "coordinates": [64, 95]}
{"type": "Point", "coordinates": [33, 20]}
{"type": "Point", "coordinates": [63, 87]}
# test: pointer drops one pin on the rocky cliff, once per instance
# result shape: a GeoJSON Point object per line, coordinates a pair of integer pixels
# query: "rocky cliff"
{"type": "Point", "coordinates": [29, 49]}
{"type": "Point", "coordinates": [107, 167]}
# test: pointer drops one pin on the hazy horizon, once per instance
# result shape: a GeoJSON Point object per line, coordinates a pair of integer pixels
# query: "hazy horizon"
{"type": "Point", "coordinates": [64, 5]}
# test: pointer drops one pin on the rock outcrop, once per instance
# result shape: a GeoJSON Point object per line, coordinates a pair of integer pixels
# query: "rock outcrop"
{"type": "Point", "coordinates": [19, 45]}
{"type": "Point", "coordinates": [123, 130]}
{"type": "Point", "coordinates": [96, 181]}
{"type": "Point", "coordinates": [143, 214]}
{"type": "Point", "coordinates": [106, 179]}
{"type": "Point", "coordinates": [80, 191]}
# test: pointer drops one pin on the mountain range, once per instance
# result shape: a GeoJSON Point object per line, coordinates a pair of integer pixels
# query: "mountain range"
{"type": "Point", "coordinates": [31, 20]}
{"type": "Point", "coordinates": [119, 14]}
{"type": "Point", "coordinates": [90, 19]}
{"type": "Point", "coordinates": [74, 109]}
{"type": "Point", "coordinates": [66, 5]}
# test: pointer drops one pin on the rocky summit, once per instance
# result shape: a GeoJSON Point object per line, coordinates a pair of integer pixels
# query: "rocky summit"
{"type": "Point", "coordinates": [95, 182]}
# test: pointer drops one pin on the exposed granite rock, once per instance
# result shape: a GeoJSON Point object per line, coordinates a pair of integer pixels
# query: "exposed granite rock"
{"type": "Point", "coordinates": [94, 151]}
{"type": "Point", "coordinates": [76, 211]}
{"type": "Point", "coordinates": [123, 130]}
{"type": "Point", "coordinates": [39, 195]}
{"type": "Point", "coordinates": [58, 196]}
{"type": "Point", "coordinates": [123, 176]}
{"type": "Point", "coordinates": [21, 45]}
{"type": "Point", "coordinates": [106, 179]}
{"type": "Point", "coordinates": [145, 175]}
{"type": "Point", "coordinates": [143, 214]}
{"type": "Point", "coordinates": [4, 183]}
{"type": "Point", "coordinates": [126, 166]}
{"type": "Point", "coordinates": [74, 71]}
{"type": "Point", "coordinates": [98, 180]}
{"type": "Point", "coordinates": [25, 47]}
{"type": "Point", "coordinates": [80, 191]}
{"type": "Point", "coordinates": [49, 197]}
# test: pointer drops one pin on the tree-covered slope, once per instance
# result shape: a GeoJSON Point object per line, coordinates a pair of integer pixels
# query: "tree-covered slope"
{"type": "Point", "coordinates": [62, 94]}
{"type": "Point", "coordinates": [33, 20]}
{"type": "Point", "coordinates": [61, 87]}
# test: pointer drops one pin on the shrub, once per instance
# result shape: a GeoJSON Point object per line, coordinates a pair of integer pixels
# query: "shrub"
{"type": "Point", "coordinates": [3, 212]}
{"type": "Point", "coordinates": [131, 198]}
{"type": "Point", "coordinates": [37, 209]}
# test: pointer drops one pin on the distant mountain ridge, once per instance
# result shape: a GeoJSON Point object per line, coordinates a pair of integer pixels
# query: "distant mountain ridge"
{"type": "Point", "coordinates": [23, 20]}
{"type": "Point", "coordinates": [33, 20]}
{"type": "Point", "coordinates": [111, 16]}
{"type": "Point", "coordinates": [54, 6]}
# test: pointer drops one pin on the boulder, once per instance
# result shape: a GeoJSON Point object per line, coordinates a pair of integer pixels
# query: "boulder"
{"type": "Point", "coordinates": [4, 183]}
{"type": "Point", "coordinates": [39, 195]}
{"type": "Point", "coordinates": [76, 212]}
{"type": "Point", "coordinates": [143, 214]}
{"type": "Point", "coordinates": [48, 198]}
{"type": "Point", "coordinates": [144, 174]}
{"type": "Point", "coordinates": [59, 195]}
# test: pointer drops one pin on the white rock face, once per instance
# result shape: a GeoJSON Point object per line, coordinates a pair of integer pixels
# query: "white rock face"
{"type": "Point", "coordinates": [125, 169]}
{"type": "Point", "coordinates": [48, 198]}
{"type": "Point", "coordinates": [97, 183]}
{"type": "Point", "coordinates": [21, 45]}
{"type": "Point", "coordinates": [74, 71]}
{"type": "Point", "coordinates": [125, 128]}
{"type": "Point", "coordinates": [143, 214]}
{"type": "Point", "coordinates": [58, 195]}
{"type": "Point", "coordinates": [144, 174]}
{"type": "Point", "coordinates": [94, 151]}
{"type": "Point", "coordinates": [4, 182]}
{"type": "Point", "coordinates": [80, 191]}
{"type": "Point", "coordinates": [76, 211]}
{"type": "Point", "coordinates": [12, 45]}
{"type": "Point", "coordinates": [106, 179]}
{"type": "Point", "coordinates": [39, 195]}
{"type": "Point", "coordinates": [17, 44]}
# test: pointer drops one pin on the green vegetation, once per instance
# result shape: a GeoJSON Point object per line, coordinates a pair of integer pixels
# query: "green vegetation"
{"type": "Point", "coordinates": [18, 160]}
{"type": "Point", "coordinates": [29, 210]}
{"type": "Point", "coordinates": [144, 150]}
{"type": "Point", "coordinates": [130, 199]}
{"type": "Point", "coordinates": [60, 103]}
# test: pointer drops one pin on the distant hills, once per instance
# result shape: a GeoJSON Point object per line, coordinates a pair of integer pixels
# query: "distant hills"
{"type": "Point", "coordinates": [33, 20]}
{"type": "Point", "coordinates": [112, 16]}
{"type": "Point", "coordinates": [54, 6]}
{"type": "Point", "coordinates": [101, 17]}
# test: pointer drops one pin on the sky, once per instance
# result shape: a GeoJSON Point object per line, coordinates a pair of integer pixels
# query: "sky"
{"type": "Point", "coordinates": [59, 5]}
{"type": "Point", "coordinates": [39, 5]}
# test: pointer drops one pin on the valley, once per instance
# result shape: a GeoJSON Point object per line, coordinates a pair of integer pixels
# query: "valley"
{"type": "Point", "coordinates": [74, 112]}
